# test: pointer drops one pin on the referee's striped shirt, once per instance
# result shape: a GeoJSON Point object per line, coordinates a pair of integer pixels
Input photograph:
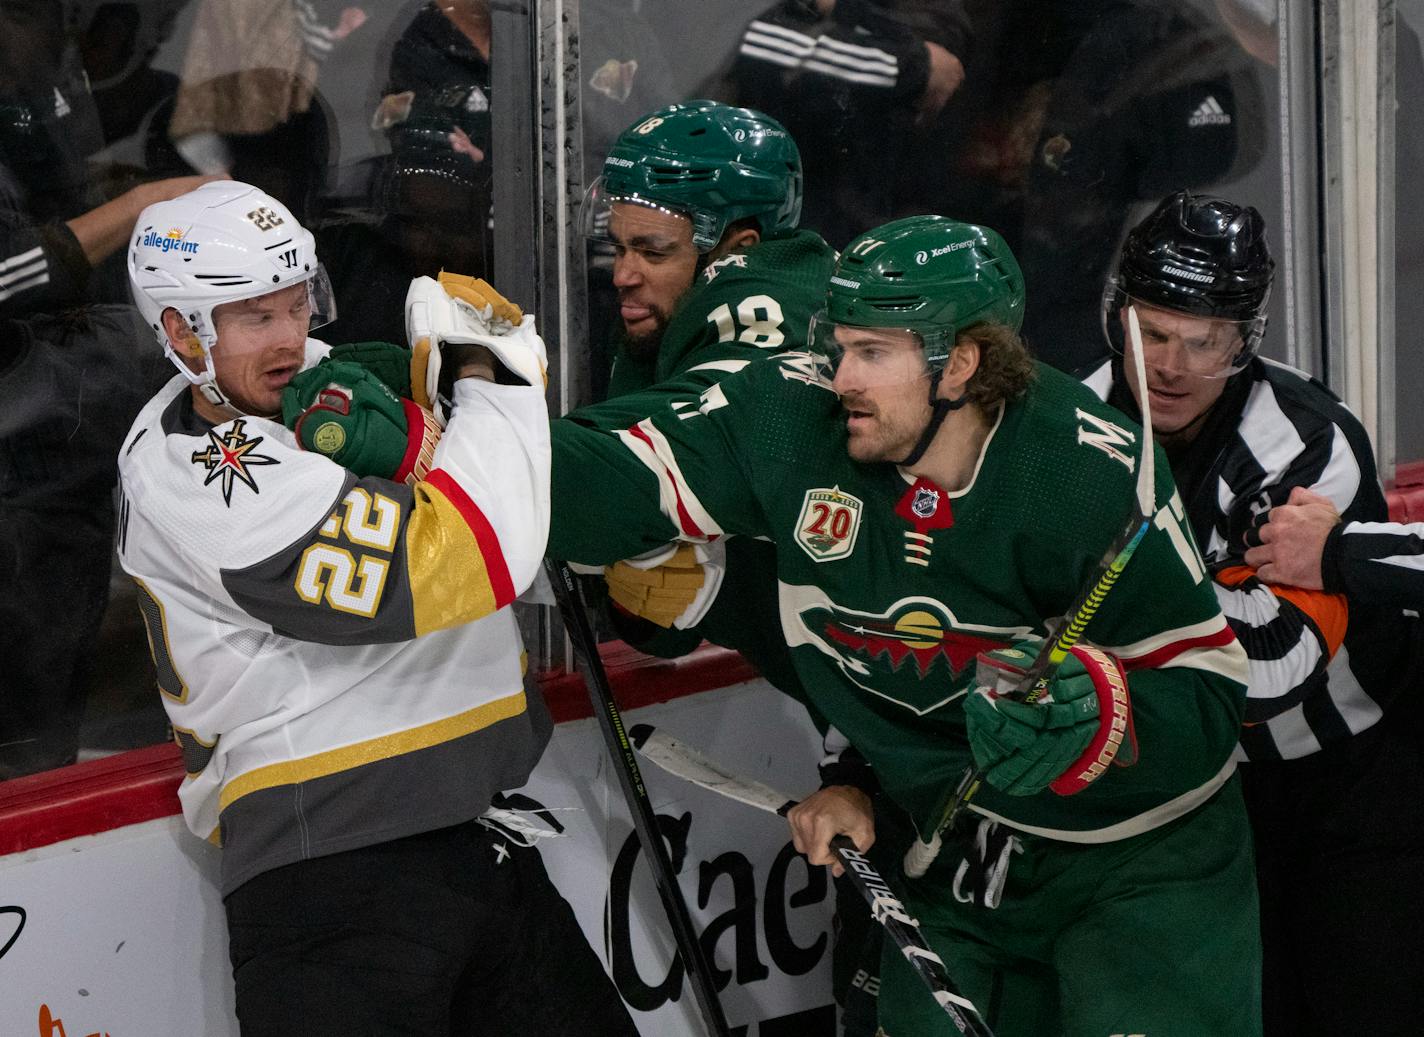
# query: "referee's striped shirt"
{"type": "Point", "coordinates": [1323, 666]}
{"type": "Point", "coordinates": [1378, 561]}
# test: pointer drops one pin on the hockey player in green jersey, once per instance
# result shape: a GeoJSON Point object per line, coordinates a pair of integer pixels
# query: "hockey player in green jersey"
{"type": "Point", "coordinates": [935, 500]}
{"type": "Point", "coordinates": [699, 203]}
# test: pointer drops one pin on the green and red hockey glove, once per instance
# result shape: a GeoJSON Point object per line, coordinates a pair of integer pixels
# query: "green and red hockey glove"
{"type": "Point", "coordinates": [386, 360]}
{"type": "Point", "coordinates": [345, 412]}
{"type": "Point", "coordinates": [1063, 741]}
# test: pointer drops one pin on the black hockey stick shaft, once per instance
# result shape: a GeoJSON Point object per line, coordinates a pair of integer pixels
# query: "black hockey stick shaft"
{"type": "Point", "coordinates": [678, 758]}
{"type": "Point", "coordinates": [887, 909]}
{"type": "Point", "coordinates": [625, 763]}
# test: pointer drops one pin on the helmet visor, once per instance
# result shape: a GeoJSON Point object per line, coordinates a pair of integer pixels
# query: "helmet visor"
{"type": "Point", "coordinates": [869, 358]}
{"type": "Point", "coordinates": [321, 299]}
{"type": "Point", "coordinates": [296, 308]}
{"type": "Point", "coordinates": [619, 222]}
{"type": "Point", "coordinates": [1182, 343]}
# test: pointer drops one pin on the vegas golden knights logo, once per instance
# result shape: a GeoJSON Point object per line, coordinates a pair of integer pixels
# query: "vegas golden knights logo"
{"type": "Point", "coordinates": [228, 458]}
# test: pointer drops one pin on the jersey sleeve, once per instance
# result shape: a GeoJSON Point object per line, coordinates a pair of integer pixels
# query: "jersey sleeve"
{"type": "Point", "coordinates": [681, 472]}
{"type": "Point", "coordinates": [1186, 669]}
{"type": "Point", "coordinates": [1376, 561]}
{"type": "Point", "coordinates": [322, 556]}
{"type": "Point", "coordinates": [1290, 635]}
{"type": "Point", "coordinates": [41, 266]}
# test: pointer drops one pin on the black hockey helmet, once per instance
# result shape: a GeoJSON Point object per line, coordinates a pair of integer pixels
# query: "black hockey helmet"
{"type": "Point", "coordinates": [1199, 255]}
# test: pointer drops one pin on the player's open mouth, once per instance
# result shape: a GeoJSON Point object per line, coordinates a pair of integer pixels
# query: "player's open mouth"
{"type": "Point", "coordinates": [278, 377]}
{"type": "Point", "coordinates": [857, 418]}
{"type": "Point", "coordinates": [632, 313]}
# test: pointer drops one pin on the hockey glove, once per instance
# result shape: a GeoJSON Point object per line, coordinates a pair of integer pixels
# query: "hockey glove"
{"type": "Point", "coordinates": [442, 315]}
{"type": "Point", "coordinates": [660, 594]}
{"type": "Point", "coordinates": [1066, 739]}
{"type": "Point", "coordinates": [344, 411]}
{"type": "Point", "coordinates": [386, 360]}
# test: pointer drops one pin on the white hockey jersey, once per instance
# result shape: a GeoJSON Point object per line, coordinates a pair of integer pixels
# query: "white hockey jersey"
{"type": "Point", "coordinates": [335, 654]}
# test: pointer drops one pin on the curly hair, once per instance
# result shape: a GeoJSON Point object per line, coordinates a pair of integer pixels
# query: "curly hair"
{"type": "Point", "coordinates": [1006, 367]}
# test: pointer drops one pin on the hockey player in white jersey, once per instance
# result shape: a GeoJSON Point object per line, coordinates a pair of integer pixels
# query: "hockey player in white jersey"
{"type": "Point", "coordinates": [335, 653]}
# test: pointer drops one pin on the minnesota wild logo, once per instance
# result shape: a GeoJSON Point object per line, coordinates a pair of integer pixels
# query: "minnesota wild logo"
{"type": "Point", "coordinates": [227, 458]}
{"type": "Point", "coordinates": [915, 653]}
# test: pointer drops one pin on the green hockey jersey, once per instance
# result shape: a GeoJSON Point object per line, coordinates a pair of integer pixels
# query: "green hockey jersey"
{"type": "Point", "coordinates": [743, 306]}
{"type": "Point", "coordinates": [889, 587]}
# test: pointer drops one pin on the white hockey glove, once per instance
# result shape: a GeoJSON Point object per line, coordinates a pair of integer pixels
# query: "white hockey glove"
{"type": "Point", "coordinates": [457, 310]}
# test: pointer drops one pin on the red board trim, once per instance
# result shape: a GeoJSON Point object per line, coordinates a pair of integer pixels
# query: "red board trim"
{"type": "Point", "coordinates": [141, 785]}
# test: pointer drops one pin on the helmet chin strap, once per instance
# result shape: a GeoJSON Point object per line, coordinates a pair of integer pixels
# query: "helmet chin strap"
{"type": "Point", "coordinates": [939, 410]}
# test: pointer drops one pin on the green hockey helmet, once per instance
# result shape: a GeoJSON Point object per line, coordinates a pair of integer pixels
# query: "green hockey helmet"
{"type": "Point", "coordinates": [929, 275]}
{"type": "Point", "coordinates": [713, 163]}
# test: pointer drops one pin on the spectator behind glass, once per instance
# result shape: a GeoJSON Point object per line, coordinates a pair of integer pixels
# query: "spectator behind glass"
{"type": "Point", "coordinates": [1073, 112]}
{"type": "Point", "coordinates": [429, 203]}
{"type": "Point", "coordinates": [71, 381]}
{"type": "Point", "coordinates": [247, 104]}
{"type": "Point", "coordinates": [849, 79]}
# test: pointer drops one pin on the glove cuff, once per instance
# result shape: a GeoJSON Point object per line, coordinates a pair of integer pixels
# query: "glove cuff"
{"type": "Point", "coordinates": [423, 433]}
{"type": "Point", "coordinates": [1115, 727]}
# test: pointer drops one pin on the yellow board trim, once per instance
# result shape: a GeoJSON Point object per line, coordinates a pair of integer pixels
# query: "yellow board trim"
{"type": "Point", "coordinates": [448, 584]}
{"type": "Point", "coordinates": [346, 758]}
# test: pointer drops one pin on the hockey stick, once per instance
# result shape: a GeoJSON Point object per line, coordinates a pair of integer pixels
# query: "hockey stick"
{"type": "Point", "coordinates": [610, 723]}
{"type": "Point", "coordinates": [1034, 683]}
{"type": "Point", "coordinates": [676, 757]}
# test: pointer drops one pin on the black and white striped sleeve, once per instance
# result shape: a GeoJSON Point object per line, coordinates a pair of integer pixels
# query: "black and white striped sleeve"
{"type": "Point", "coordinates": [40, 267]}
{"type": "Point", "coordinates": [873, 55]}
{"type": "Point", "coordinates": [1382, 562]}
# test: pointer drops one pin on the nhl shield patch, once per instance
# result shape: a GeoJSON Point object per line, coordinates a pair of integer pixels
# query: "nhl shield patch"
{"type": "Point", "coordinates": [828, 524]}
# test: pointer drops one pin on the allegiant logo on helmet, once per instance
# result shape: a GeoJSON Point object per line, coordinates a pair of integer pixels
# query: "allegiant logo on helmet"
{"type": "Point", "coordinates": [171, 242]}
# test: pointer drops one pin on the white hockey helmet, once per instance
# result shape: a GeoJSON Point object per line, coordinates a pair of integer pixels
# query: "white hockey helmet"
{"type": "Point", "coordinates": [223, 242]}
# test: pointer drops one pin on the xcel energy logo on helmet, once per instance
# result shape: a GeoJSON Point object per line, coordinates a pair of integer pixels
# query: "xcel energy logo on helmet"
{"type": "Point", "coordinates": [170, 242]}
{"type": "Point", "coordinates": [922, 257]}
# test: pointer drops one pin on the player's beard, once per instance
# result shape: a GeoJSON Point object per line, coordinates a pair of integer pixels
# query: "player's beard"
{"type": "Point", "coordinates": [645, 346]}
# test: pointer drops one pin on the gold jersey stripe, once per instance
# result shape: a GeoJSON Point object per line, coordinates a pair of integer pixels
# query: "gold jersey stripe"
{"type": "Point", "coordinates": [346, 758]}
{"type": "Point", "coordinates": [449, 578]}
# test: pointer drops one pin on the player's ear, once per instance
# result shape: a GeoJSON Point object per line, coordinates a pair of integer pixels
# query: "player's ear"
{"type": "Point", "coordinates": [962, 363]}
{"type": "Point", "coordinates": [735, 239]}
{"type": "Point", "coordinates": [180, 336]}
